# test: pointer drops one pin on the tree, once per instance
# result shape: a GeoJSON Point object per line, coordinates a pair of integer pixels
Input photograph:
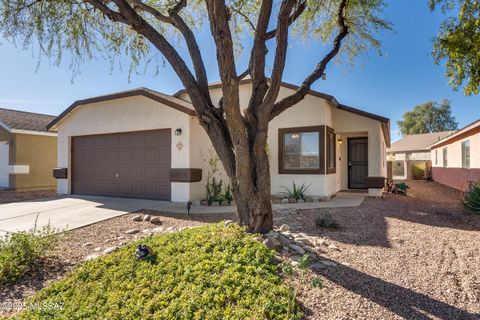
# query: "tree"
{"type": "Point", "coordinates": [428, 117]}
{"type": "Point", "coordinates": [458, 44]}
{"type": "Point", "coordinates": [144, 29]}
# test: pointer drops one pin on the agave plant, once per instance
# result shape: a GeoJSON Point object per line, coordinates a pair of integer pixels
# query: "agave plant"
{"type": "Point", "coordinates": [471, 199]}
{"type": "Point", "coordinates": [297, 192]}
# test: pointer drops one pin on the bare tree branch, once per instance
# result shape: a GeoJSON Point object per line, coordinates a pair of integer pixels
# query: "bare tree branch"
{"type": "Point", "coordinates": [304, 88]}
{"type": "Point", "coordinates": [280, 51]}
{"type": "Point", "coordinates": [295, 15]}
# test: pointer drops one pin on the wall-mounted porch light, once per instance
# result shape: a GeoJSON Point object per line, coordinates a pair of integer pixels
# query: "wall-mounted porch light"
{"type": "Point", "coordinates": [339, 141]}
{"type": "Point", "coordinates": [178, 132]}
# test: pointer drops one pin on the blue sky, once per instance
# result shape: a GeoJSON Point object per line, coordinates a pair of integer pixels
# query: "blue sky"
{"type": "Point", "coordinates": [388, 85]}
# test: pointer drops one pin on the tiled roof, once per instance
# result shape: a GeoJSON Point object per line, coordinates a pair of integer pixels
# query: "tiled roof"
{"type": "Point", "coordinates": [21, 120]}
{"type": "Point", "coordinates": [418, 142]}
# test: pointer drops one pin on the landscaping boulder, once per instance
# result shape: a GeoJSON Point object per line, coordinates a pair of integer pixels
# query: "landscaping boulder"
{"type": "Point", "coordinates": [132, 231]}
{"type": "Point", "coordinates": [137, 218]}
{"type": "Point", "coordinates": [228, 222]}
{"type": "Point", "coordinates": [297, 248]}
{"type": "Point", "coordinates": [272, 243]}
{"type": "Point", "coordinates": [155, 220]}
{"type": "Point", "coordinates": [147, 217]}
{"type": "Point", "coordinates": [109, 250]}
{"type": "Point", "coordinates": [284, 240]}
{"type": "Point", "coordinates": [284, 227]}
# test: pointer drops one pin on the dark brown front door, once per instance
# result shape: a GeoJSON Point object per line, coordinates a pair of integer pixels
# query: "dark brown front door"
{"type": "Point", "coordinates": [357, 163]}
{"type": "Point", "coordinates": [128, 164]}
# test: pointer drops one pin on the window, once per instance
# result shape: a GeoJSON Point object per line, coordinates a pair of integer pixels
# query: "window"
{"type": "Point", "coordinates": [331, 152]}
{"type": "Point", "coordinates": [301, 150]}
{"type": "Point", "coordinates": [466, 154]}
{"type": "Point", "coordinates": [445, 157]}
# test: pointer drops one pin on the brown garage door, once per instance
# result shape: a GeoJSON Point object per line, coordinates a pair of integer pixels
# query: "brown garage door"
{"type": "Point", "coordinates": [129, 164]}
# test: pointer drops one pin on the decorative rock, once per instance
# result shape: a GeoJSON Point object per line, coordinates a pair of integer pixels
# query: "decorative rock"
{"type": "Point", "coordinates": [155, 220]}
{"type": "Point", "coordinates": [305, 241]}
{"type": "Point", "coordinates": [87, 244]}
{"type": "Point", "coordinates": [171, 229]}
{"type": "Point", "coordinates": [284, 201]}
{"type": "Point", "coordinates": [285, 252]}
{"type": "Point", "coordinates": [317, 266]}
{"type": "Point", "coordinates": [284, 227]}
{"type": "Point", "coordinates": [328, 263]}
{"type": "Point", "coordinates": [109, 250]}
{"type": "Point", "coordinates": [158, 230]}
{"type": "Point", "coordinates": [332, 247]}
{"type": "Point", "coordinates": [92, 257]}
{"type": "Point", "coordinates": [300, 201]}
{"type": "Point", "coordinates": [137, 218]}
{"type": "Point", "coordinates": [147, 217]}
{"type": "Point", "coordinates": [298, 249]}
{"type": "Point", "coordinates": [122, 243]}
{"type": "Point", "coordinates": [272, 234]}
{"type": "Point", "coordinates": [284, 240]}
{"type": "Point", "coordinates": [97, 249]}
{"type": "Point", "coordinates": [295, 258]}
{"type": "Point", "coordinates": [132, 231]}
{"type": "Point", "coordinates": [272, 243]}
{"type": "Point", "coordinates": [147, 231]}
{"type": "Point", "coordinates": [228, 222]}
{"type": "Point", "coordinates": [321, 242]}
{"type": "Point", "coordinates": [310, 250]}
{"type": "Point", "coordinates": [121, 237]}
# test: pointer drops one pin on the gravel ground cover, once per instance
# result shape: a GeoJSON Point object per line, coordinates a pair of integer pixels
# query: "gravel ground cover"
{"type": "Point", "coordinates": [7, 196]}
{"type": "Point", "coordinates": [413, 257]}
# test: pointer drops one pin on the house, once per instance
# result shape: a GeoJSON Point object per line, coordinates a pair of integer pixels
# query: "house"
{"type": "Point", "coordinates": [453, 164]}
{"type": "Point", "coordinates": [146, 144]}
{"type": "Point", "coordinates": [28, 151]}
{"type": "Point", "coordinates": [412, 151]}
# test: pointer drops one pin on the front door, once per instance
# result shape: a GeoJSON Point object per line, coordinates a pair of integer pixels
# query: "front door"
{"type": "Point", "coordinates": [357, 163]}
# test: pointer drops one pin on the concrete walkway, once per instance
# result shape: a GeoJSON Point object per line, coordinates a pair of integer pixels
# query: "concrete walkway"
{"type": "Point", "coordinates": [70, 212]}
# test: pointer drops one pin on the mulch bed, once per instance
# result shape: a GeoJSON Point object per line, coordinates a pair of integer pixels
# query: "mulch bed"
{"type": "Point", "coordinates": [7, 196]}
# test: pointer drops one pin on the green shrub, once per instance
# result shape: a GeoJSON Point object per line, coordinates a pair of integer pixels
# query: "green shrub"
{"type": "Point", "coordinates": [21, 251]}
{"type": "Point", "coordinates": [471, 199]}
{"type": "Point", "coordinates": [326, 221]}
{"type": "Point", "coordinates": [211, 272]}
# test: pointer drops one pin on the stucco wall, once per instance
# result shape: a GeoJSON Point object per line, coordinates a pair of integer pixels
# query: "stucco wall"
{"type": "Point", "coordinates": [455, 153]}
{"type": "Point", "coordinates": [39, 153]}
{"type": "Point", "coordinates": [123, 115]}
{"type": "Point", "coordinates": [454, 175]}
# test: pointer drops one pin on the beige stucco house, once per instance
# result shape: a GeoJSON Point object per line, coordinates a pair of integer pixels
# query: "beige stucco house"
{"type": "Point", "coordinates": [412, 150]}
{"type": "Point", "coordinates": [28, 151]}
{"type": "Point", "coordinates": [146, 144]}
{"type": "Point", "coordinates": [455, 158]}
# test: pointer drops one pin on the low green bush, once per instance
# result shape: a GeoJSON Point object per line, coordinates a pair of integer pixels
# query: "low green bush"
{"type": "Point", "coordinates": [326, 221]}
{"type": "Point", "coordinates": [210, 272]}
{"type": "Point", "coordinates": [22, 251]}
{"type": "Point", "coordinates": [471, 199]}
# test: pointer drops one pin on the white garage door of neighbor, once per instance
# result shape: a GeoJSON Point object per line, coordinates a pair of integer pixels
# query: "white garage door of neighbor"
{"type": "Point", "coordinates": [3, 164]}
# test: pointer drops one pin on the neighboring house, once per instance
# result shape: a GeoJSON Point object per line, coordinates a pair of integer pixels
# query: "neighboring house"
{"type": "Point", "coordinates": [412, 150]}
{"type": "Point", "coordinates": [28, 151]}
{"type": "Point", "coordinates": [456, 158]}
{"type": "Point", "coordinates": [146, 144]}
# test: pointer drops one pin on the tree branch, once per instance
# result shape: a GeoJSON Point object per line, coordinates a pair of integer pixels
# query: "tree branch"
{"type": "Point", "coordinates": [296, 14]}
{"type": "Point", "coordinates": [300, 93]}
{"type": "Point", "coordinates": [280, 51]}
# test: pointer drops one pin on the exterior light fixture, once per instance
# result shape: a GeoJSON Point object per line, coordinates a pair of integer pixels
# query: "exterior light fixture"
{"type": "Point", "coordinates": [339, 141]}
{"type": "Point", "coordinates": [178, 132]}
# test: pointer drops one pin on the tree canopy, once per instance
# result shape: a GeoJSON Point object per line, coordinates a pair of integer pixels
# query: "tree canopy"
{"type": "Point", "coordinates": [458, 44]}
{"type": "Point", "coordinates": [428, 117]}
{"type": "Point", "coordinates": [149, 31]}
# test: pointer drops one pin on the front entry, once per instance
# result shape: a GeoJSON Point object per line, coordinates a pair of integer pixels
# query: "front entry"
{"type": "Point", "coordinates": [357, 163]}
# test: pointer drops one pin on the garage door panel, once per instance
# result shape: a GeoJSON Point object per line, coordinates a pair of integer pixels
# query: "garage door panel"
{"type": "Point", "coordinates": [142, 161]}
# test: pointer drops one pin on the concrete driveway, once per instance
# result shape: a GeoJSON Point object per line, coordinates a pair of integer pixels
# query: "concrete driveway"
{"type": "Point", "coordinates": [74, 211]}
{"type": "Point", "coordinates": [67, 213]}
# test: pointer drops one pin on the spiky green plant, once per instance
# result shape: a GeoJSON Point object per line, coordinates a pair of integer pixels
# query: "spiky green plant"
{"type": "Point", "coordinates": [297, 192]}
{"type": "Point", "coordinates": [471, 199]}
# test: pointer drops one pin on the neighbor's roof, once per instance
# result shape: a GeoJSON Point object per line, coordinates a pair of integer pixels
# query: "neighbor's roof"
{"type": "Point", "coordinates": [418, 142]}
{"type": "Point", "coordinates": [151, 94]}
{"type": "Point", "coordinates": [463, 133]}
{"type": "Point", "coordinates": [13, 120]}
